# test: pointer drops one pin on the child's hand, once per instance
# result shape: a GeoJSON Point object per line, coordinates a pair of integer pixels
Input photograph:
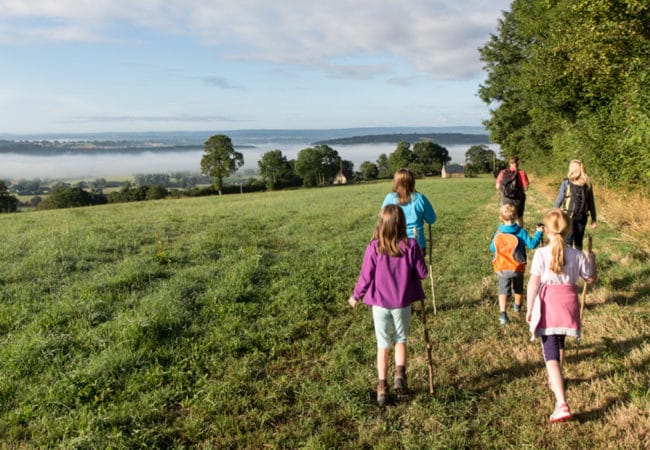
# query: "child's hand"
{"type": "Point", "coordinates": [352, 301]}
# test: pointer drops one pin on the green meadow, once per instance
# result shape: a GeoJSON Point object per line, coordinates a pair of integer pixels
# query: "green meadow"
{"type": "Point", "coordinates": [222, 322]}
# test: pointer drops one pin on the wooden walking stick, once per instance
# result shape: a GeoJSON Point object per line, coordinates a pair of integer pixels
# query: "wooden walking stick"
{"type": "Point", "coordinates": [423, 313]}
{"type": "Point", "coordinates": [583, 297]}
{"type": "Point", "coordinates": [427, 341]}
{"type": "Point", "coordinates": [433, 292]}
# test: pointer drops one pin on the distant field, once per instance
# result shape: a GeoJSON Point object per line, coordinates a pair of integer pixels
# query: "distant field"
{"type": "Point", "coordinates": [222, 322]}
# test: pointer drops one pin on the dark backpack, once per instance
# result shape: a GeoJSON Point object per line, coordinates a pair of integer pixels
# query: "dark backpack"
{"type": "Point", "coordinates": [575, 201]}
{"type": "Point", "coordinates": [510, 184]}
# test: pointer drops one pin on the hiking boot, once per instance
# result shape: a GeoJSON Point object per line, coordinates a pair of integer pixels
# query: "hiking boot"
{"type": "Point", "coordinates": [561, 413]}
{"type": "Point", "coordinates": [517, 308]}
{"type": "Point", "coordinates": [401, 389]}
{"type": "Point", "coordinates": [382, 395]}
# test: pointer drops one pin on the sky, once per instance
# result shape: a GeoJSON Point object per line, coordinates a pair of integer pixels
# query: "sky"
{"type": "Point", "coordinates": [81, 66]}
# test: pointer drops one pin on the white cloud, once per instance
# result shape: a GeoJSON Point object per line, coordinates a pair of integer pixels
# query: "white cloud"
{"type": "Point", "coordinates": [437, 37]}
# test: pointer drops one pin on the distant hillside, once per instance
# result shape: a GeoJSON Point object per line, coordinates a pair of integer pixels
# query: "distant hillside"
{"type": "Point", "coordinates": [438, 138]}
{"type": "Point", "coordinates": [251, 137]}
{"type": "Point", "coordinates": [51, 148]}
{"type": "Point", "coordinates": [131, 143]}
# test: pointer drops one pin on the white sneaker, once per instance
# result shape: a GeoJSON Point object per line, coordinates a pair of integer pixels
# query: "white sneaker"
{"type": "Point", "coordinates": [561, 413]}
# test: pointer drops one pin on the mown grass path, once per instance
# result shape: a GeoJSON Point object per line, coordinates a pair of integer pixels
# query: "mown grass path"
{"type": "Point", "coordinates": [222, 322]}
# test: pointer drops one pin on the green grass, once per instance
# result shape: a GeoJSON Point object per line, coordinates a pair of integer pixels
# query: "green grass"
{"type": "Point", "coordinates": [222, 322]}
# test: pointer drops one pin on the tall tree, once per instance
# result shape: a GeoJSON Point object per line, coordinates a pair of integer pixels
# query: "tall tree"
{"type": "Point", "coordinates": [220, 159]}
{"type": "Point", "coordinates": [383, 167]}
{"type": "Point", "coordinates": [431, 156]}
{"type": "Point", "coordinates": [369, 170]}
{"type": "Point", "coordinates": [274, 168]}
{"type": "Point", "coordinates": [317, 165]}
{"type": "Point", "coordinates": [481, 159]}
{"type": "Point", "coordinates": [401, 157]}
{"type": "Point", "coordinates": [571, 79]}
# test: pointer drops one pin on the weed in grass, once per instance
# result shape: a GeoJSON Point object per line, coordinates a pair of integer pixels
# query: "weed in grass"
{"type": "Point", "coordinates": [161, 251]}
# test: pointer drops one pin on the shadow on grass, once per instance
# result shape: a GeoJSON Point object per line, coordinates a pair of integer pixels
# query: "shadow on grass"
{"type": "Point", "coordinates": [484, 382]}
{"type": "Point", "coordinates": [597, 413]}
{"type": "Point", "coordinates": [605, 348]}
{"type": "Point", "coordinates": [636, 291]}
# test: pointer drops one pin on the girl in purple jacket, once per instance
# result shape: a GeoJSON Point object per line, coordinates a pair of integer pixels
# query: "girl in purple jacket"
{"type": "Point", "coordinates": [390, 280]}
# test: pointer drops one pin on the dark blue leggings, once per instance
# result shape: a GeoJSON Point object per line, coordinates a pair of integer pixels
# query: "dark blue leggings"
{"type": "Point", "coordinates": [575, 237]}
{"type": "Point", "coordinates": [551, 346]}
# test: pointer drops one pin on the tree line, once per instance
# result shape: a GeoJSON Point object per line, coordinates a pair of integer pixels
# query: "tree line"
{"type": "Point", "coordinates": [318, 165]}
{"type": "Point", "coordinates": [571, 79]}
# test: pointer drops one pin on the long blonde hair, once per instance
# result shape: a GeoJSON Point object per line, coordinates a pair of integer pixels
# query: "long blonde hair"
{"type": "Point", "coordinates": [390, 230]}
{"type": "Point", "coordinates": [577, 174]}
{"type": "Point", "coordinates": [557, 224]}
{"type": "Point", "coordinates": [403, 185]}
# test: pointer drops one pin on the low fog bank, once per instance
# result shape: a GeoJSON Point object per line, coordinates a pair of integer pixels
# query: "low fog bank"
{"type": "Point", "coordinates": [14, 166]}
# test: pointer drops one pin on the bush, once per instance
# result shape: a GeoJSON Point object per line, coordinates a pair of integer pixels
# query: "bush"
{"type": "Point", "coordinates": [70, 197]}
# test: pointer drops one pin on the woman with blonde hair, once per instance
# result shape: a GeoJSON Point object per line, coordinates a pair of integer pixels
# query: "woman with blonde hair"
{"type": "Point", "coordinates": [576, 198]}
{"type": "Point", "coordinates": [417, 208]}
{"type": "Point", "coordinates": [552, 301]}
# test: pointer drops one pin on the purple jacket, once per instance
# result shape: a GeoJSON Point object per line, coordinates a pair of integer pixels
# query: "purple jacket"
{"type": "Point", "coordinates": [391, 281]}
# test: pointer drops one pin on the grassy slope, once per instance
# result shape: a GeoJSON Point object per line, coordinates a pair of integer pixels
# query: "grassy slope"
{"type": "Point", "coordinates": [223, 322]}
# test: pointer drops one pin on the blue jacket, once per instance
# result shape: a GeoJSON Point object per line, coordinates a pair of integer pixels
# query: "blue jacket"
{"type": "Point", "coordinates": [417, 211]}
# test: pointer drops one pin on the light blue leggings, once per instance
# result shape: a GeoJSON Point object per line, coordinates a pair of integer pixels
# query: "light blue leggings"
{"type": "Point", "coordinates": [383, 318]}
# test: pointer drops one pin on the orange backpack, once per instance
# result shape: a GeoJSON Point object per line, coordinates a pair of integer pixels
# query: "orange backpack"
{"type": "Point", "coordinates": [505, 259]}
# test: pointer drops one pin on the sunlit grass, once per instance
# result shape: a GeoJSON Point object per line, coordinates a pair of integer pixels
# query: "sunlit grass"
{"type": "Point", "coordinates": [223, 322]}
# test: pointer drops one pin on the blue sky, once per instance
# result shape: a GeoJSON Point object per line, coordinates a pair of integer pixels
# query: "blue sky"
{"type": "Point", "coordinates": [168, 65]}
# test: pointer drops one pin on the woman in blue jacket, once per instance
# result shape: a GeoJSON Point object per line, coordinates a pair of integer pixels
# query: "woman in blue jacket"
{"type": "Point", "coordinates": [417, 208]}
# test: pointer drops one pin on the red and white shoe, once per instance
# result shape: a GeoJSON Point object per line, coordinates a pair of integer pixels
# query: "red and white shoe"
{"type": "Point", "coordinates": [561, 413]}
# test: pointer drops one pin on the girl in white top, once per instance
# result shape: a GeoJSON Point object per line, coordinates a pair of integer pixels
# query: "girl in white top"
{"type": "Point", "coordinates": [553, 307]}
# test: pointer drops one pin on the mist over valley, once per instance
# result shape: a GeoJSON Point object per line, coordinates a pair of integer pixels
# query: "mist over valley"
{"type": "Point", "coordinates": [126, 154]}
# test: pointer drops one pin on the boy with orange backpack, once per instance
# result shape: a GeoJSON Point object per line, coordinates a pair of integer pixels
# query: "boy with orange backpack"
{"type": "Point", "coordinates": [509, 247]}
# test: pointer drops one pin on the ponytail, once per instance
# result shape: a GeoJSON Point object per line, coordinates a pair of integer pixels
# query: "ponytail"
{"type": "Point", "coordinates": [557, 225]}
{"type": "Point", "coordinates": [557, 253]}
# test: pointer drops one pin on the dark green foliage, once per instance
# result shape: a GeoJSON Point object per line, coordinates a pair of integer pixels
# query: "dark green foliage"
{"type": "Point", "coordinates": [129, 193]}
{"type": "Point", "coordinates": [383, 167]}
{"type": "Point", "coordinates": [425, 159]}
{"type": "Point", "coordinates": [431, 157]}
{"type": "Point", "coordinates": [70, 197]}
{"type": "Point", "coordinates": [369, 170]}
{"type": "Point", "coordinates": [402, 157]}
{"type": "Point", "coordinates": [317, 165]}
{"type": "Point", "coordinates": [571, 80]}
{"type": "Point", "coordinates": [275, 169]}
{"type": "Point", "coordinates": [480, 159]}
{"type": "Point", "coordinates": [8, 203]}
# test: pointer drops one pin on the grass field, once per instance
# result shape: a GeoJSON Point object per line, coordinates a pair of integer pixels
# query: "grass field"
{"type": "Point", "coordinates": [222, 322]}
